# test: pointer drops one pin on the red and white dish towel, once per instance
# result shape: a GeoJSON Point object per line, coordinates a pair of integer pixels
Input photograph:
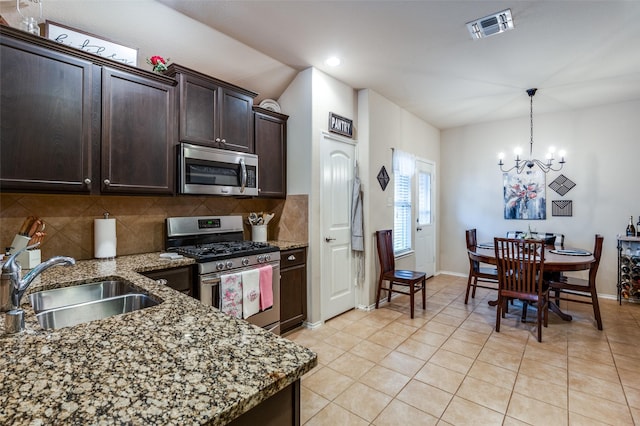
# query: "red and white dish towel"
{"type": "Point", "coordinates": [231, 294]}
{"type": "Point", "coordinates": [250, 292]}
{"type": "Point", "coordinates": [266, 287]}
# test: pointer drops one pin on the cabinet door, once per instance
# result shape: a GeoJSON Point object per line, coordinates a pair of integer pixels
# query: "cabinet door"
{"type": "Point", "coordinates": [45, 119]}
{"type": "Point", "coordinates": [235, 124]}
{"type": "Point", "coordinates": [293, 289]}
{"type": "Point", "coordinates": [271, 147]}
{"type": "Point", "coordinates": [180, 278]}
{"type": "Point", "coordinates": [198, 108]}
{"type": "Point", "coordinates": [137, 134]}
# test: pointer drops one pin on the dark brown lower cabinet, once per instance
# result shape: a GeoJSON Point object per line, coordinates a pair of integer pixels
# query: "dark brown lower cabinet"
{"type": "Point", "coordinates": [180, 278]}
{"type": "Point", "coordinates": [293, 288]}
{"type": "Point", "coordinates": [281, 409]}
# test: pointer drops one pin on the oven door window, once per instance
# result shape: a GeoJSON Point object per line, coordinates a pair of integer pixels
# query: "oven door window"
{"type": "Point", "coordinates": [200, 172]}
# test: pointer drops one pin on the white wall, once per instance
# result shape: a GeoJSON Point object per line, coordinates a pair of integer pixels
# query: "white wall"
{"type": "Point", "coordinates": [602, 159]}
{"type": "Point", "coordinates": [308, 100]}
{"type": "Point", "coordinates": [389, 126]}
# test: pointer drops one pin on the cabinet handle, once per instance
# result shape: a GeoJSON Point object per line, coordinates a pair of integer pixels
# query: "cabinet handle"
{"type": "Point", "coordinates": [224, 141]}
{"type": "Point", "coordinates": [218, 140]}
{"type": "Point", "coordinates": [162, 281]}
{"type": "Point", "coordinates": [107, 182]}
{"type": "Point", "coordinates": [291, 257]}
{"type": "Point", "coordinates": [87, 181]}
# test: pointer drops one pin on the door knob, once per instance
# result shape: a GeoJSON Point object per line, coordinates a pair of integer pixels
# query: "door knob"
{"type": "Point", "coordinates": [328, 239]}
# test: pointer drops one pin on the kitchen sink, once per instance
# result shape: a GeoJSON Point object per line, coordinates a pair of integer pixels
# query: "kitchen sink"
{"type": "Point", "coordinates": [67, 316]}
{"type": "Point", "coordinates": [68, 306]}
{"type": "Point", "coordinates": [56, 298]}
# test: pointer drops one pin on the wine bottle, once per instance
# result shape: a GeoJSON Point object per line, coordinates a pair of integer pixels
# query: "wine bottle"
{"type": "Point", "coordinates": [631, 230]}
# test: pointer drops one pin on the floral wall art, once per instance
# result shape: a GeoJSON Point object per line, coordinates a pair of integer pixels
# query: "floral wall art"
{"type": "Point", "coordinates": [524, 195]}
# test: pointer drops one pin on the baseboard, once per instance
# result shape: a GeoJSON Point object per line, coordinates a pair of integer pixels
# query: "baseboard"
{"type": "Point", "coordinates": [456, 274]}
{"type": "Point", "coordinates": [312, 325]}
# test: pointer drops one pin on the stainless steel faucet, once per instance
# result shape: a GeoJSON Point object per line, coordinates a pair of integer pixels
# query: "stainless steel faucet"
{"type": "Point", "coordinates": [13, 286]}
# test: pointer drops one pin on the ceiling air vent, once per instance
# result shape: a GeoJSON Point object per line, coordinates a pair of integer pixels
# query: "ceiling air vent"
{"type": "Point", "coordinates": [489, 25]}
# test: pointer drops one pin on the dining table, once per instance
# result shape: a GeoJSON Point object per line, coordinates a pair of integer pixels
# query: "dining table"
{"type": "Point", "coordinates": [556, 261]}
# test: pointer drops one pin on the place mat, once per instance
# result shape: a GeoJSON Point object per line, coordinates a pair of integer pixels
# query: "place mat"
{"type": "Point", "coordinates": [485, 245]}
{"type": "Point", "coordinates": [571, 252]}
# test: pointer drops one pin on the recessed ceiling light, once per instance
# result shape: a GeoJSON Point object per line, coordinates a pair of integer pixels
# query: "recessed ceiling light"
{"type": "Point", "coordinates": [333, 61]}
{"type": "Point", "coordinates": [490, 25]}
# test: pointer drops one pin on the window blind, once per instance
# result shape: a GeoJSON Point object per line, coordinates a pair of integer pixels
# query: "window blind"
{"type": "Point", "coordinates": [402, 214]}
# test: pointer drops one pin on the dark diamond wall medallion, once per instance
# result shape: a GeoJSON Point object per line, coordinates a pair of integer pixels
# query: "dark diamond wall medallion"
{"type": "Point", "coordinates": [383, 178]}
{"type": "Point", "coordinates": [562, 185]}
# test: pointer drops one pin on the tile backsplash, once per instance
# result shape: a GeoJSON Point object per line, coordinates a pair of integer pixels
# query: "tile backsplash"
{"type": "Point", "coordinates": [139, 219]}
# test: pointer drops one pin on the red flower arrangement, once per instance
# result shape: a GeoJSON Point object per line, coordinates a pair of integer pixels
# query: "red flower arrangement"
{"type": "Point", "coordinates": [159, 63]}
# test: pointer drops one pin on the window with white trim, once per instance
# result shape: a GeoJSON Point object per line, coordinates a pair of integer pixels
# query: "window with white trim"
{"type": "Point", "coordinates": [403, 169]}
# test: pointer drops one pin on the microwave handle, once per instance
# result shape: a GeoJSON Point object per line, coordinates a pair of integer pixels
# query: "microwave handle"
{"type": "Point", "coordinates": [243, 168]}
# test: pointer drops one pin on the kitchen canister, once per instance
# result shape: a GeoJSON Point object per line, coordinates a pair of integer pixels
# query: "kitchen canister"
{"type": "Point", "coordinates": [104, 236]}
{"type": "Point", "coordinates": [259, 233]}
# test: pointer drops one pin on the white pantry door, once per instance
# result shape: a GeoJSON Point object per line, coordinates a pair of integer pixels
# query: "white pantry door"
{"type": "Point", "coordinates": [338, 276]}
{"type": "Point", "coordinates": [425, 247]}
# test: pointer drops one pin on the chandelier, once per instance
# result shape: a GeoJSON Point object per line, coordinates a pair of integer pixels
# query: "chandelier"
{"type": "Point", "coordinates": [530, 162]}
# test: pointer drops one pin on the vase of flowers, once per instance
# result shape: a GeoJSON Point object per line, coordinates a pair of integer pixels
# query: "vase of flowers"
{"type": "Point", "coordinates": [158, 63]}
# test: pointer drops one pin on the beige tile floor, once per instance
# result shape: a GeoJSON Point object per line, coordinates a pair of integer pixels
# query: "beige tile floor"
{"type": "Point", "coordinates": [448, 366]}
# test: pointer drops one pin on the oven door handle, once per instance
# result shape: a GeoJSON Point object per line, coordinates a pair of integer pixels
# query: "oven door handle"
{"type": "Point", "coordinates": [204, 280]}
{"type": "Point", "coordinates": [243, 169]}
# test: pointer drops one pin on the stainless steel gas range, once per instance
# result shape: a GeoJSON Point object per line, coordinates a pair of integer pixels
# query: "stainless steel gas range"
{"type": "Point", "coordinates": [217, 245]}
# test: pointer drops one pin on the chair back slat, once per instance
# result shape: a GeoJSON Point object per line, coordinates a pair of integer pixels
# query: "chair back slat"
{"type": "Point", "coordinates": [520, 265]}
{"type": "Point", "coordinates": [597, 254]}
{"type": "Point", "coordinates": [472, 240]}
{"type": "Point", "coordinates": [384, 241]}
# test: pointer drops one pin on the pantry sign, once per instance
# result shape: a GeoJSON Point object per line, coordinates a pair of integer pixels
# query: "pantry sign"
{"type": "Point", "coordinates": [340, 125]}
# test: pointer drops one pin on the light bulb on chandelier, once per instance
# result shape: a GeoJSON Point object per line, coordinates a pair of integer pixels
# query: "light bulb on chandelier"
{"type": "Point", "coordinates": [520, 163]}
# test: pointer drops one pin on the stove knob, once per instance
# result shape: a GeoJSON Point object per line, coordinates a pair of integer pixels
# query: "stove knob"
{"type": "Point", "coordinates": [260, 258]}
{"type": "Point", "coordinates": [220, 266]}
{"type": "Point", "coordinates": [245, 261]}
{"type": "Point", "coordinates": [267, 257]}
{"type": "Point", "coordinates": [229, 264]}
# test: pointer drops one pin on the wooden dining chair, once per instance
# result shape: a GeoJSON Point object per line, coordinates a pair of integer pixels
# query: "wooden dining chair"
{"type": "Point", "coordinates": [571, 286]}
{"type": "Point", "coordinates": [520, 276]}
{"type": "Point", "coordinates": [415, 281]}
{"type": "Point", "coordinates": [476, 271]}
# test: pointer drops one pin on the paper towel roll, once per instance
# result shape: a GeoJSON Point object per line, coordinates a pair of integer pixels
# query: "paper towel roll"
{"type": "Point", "coordinates": [104, 235]}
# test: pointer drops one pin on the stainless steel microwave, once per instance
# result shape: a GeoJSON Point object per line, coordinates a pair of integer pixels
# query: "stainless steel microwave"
{"type": "Point", "coordinates": [212, 171]}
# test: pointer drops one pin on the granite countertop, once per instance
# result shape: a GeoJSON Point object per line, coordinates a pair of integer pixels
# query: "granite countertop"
{"type": "Point", "coordinates": [287, 245]}
{"type": "Point", "coordinates": [179, 362]}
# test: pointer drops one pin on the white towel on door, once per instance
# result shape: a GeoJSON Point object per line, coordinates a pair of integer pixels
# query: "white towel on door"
{"type": "Point", "coordinates": [250, 292]}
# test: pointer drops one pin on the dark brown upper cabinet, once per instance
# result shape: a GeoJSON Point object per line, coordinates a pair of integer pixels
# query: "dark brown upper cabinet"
{"type": "Point", "coordinates": [46, 105]}
{"type": "Point", "coordinates": [138, 134]}
{"type": "Point", "coordinates": [270, 137]}
{"type": "Point", "coordinates": [76, 122]}
{"type": "Point", "coordinates": [213, 112]}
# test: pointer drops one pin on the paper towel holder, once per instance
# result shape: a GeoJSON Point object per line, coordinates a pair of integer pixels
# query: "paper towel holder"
{"type": "Point", "coordinates": [105, 239]}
